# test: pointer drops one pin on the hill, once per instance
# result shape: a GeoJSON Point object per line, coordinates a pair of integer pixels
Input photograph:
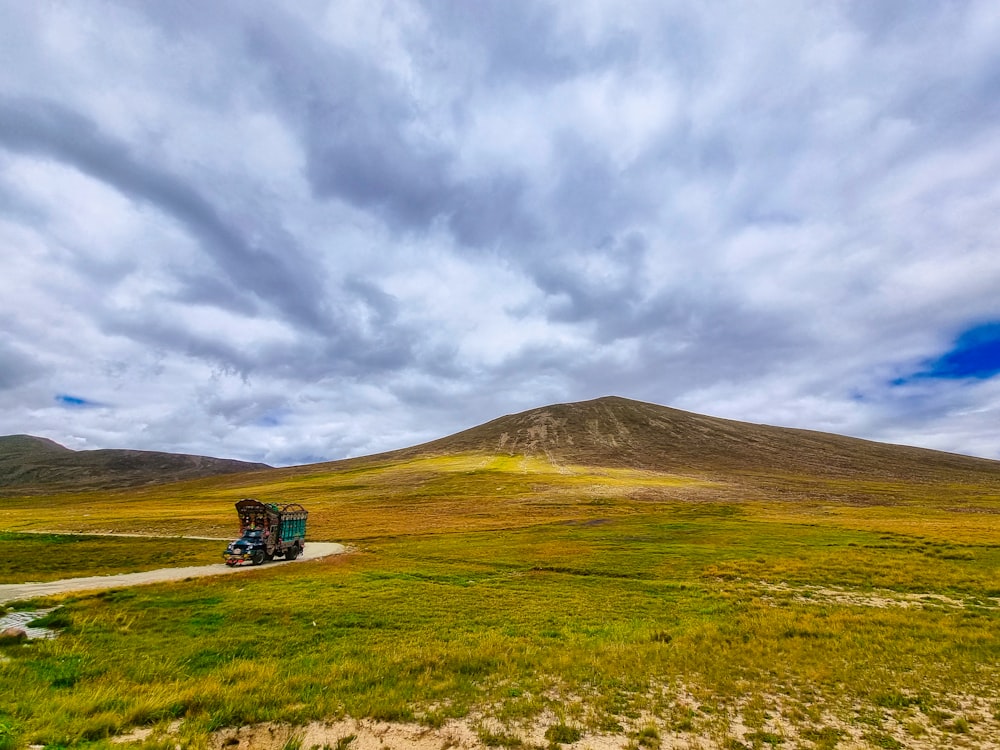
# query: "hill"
{"type": "Point", "coordinates": [621, 433]}
{"type": "Point", "coordinates": [34, 464]}
{"type": "Point", "coordinates": [610, 432]}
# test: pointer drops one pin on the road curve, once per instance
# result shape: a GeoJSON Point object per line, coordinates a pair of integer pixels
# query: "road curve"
{"type": "Point", "coordinates": [10, 592]}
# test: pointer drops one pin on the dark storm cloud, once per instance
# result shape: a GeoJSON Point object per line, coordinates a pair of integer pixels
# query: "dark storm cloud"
{"type": "Point", "coordinates": [515, 39]}
{"type": "Point", "coordinates": [520, 42]}
{"type": "Point", "coordinates": [576, 293]}
{"type": "Point", "coordinates": [368, 340]}
{"type": "Point", "coordinates": [356, 123]}
{"type": "Point", "coordinates": [383, 307]}
{"type": "Point", "coordinates": [203, 289]}
{"type": "Point", "coordinates": [265, 409]}
{"type": "Point", "coordinates": [358, 152]}
{"type": "Point", "coordinates": [593, 199]}
{"type": "Point", "coordinates": [17, 367]}
{"type": "Point", "coordinates": [887, 21]}
{"type": "Point", "coordinates": [369, 140]}
{"type": "Point", "coordinates": [159, 332]}
{"type": "Point", "coordinates": [492, 212]}
{"type": "Point", "coordinates": [366, 135]}
{"type": "Point", "coordinates": [674, 343]}
{"type": "Point", "coordinates": [42, 127]}
{"type": "Point", "coordinates": [361, 150]}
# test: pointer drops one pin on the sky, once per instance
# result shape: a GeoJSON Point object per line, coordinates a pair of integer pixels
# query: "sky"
{"type": "Point", "coordinates": [302, 233]}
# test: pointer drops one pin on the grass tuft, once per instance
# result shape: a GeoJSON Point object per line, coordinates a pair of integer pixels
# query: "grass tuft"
{"type": "Point", "coordinates": [881, 740]}
{"type": "Point", "coordinates": [562, 734]}
{"type": "Point", "coordinates": [647, 737]}
{"type": "Point", "coordinates": [499, 739]}
{"type": "Point", "coordinates": [57, 619]}
{"type": "Point", "coordinates": [9, 739]}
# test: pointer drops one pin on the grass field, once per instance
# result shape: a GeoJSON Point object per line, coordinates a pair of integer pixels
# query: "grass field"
{"type": "Point", "coordinates": [539, 605]}
{"type": "Point", "coordinates": [50, 557]}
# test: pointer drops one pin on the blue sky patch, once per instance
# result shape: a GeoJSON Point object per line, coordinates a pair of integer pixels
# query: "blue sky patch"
{"type": "Point", "coordinates": [976, 354]}
{"type": "Point", "coordinates": [73, 401]}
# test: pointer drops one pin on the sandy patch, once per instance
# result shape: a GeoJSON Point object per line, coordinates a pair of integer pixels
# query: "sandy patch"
{"type": "Point", "coordinates": [880, 598]}
{"type": "Point", "coordinates": [967, 722]}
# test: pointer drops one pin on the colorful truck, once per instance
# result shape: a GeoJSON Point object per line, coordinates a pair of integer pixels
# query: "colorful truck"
{"type": "Point", "coordinates": [267, 530]}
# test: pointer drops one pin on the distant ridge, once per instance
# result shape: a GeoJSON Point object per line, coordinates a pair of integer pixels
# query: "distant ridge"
{"type": "Point", "coordinates": [31, 464]}
{"type": "Point", "coordinates": [611, 432]}
{"type": "Point", "coordinates": [618, 432]}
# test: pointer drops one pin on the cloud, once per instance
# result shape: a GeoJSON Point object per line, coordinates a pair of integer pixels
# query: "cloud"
{"type": "Point", "coordinates": [16, 366]}
{"type": "Point", "coordinates": [286, 233]}
{"type": "Point", "coordinates": [42, 127]}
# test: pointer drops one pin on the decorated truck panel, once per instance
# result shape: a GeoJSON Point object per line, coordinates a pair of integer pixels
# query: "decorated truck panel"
{"type": "Point", "coordinates": [267, 530]}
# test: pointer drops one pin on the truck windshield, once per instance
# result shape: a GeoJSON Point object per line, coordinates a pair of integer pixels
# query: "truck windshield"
{"type": "Point", "coordinates": [253, 534]}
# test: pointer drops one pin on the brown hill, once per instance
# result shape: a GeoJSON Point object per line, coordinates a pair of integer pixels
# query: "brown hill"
{"type": "Point", "coordinates": [31, 464]}
{"type": "Point", "coordinates": [618, 432]}
{"type": "Point", "coordinates": [605, 432]}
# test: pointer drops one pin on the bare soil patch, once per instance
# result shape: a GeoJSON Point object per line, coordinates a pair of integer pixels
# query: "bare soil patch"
{"type": "Point", "coordinates": [879, 598]}
{"type": "Point", "coordinates": [972, 724]}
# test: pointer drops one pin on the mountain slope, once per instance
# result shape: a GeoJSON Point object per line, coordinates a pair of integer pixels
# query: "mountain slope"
{"type": "Point", "coordinates": [567, 462]}
{"type": "Point", "coordinates": [618, 432]}
{"type": "Point", "coordinates": [33, 464]}
{"type": "Point", "coordinates": [607, 432]}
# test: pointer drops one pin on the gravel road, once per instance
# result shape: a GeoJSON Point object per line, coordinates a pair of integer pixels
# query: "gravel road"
{"type": "Point", "coordinates": [10, 592]}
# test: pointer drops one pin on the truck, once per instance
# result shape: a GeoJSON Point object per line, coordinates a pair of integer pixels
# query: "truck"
{"type": "Point", "coordinates": [267, 530]}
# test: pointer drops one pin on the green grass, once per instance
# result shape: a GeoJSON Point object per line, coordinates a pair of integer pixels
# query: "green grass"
{"type": "Point", "coordinates": [507, 589]}
{"type": "Point", "coordinates": [618, 616]}
{"type": "Point", "coordinates": [50, 557]}
{"type": "Point", "coordinates": [425, 495]}
{"type": "Point", "coordinates": [8, 735]}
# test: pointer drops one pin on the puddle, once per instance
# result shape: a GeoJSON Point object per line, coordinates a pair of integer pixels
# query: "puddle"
{"type": "Point", "coordinates": [21, 620]}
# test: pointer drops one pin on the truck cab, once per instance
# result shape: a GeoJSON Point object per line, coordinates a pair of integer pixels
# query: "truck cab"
{"type": "Point", "coordinates": [250, 546]}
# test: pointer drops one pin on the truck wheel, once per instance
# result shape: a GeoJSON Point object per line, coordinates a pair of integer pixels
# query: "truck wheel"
{"type": "Point", "coordinates": [257, 557]}
{"type": "Point", "coordinates": [291, 553]}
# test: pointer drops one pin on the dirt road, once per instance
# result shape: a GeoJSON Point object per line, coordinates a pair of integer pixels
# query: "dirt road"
{"type": "Point", "coordinates": [17, 591]}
